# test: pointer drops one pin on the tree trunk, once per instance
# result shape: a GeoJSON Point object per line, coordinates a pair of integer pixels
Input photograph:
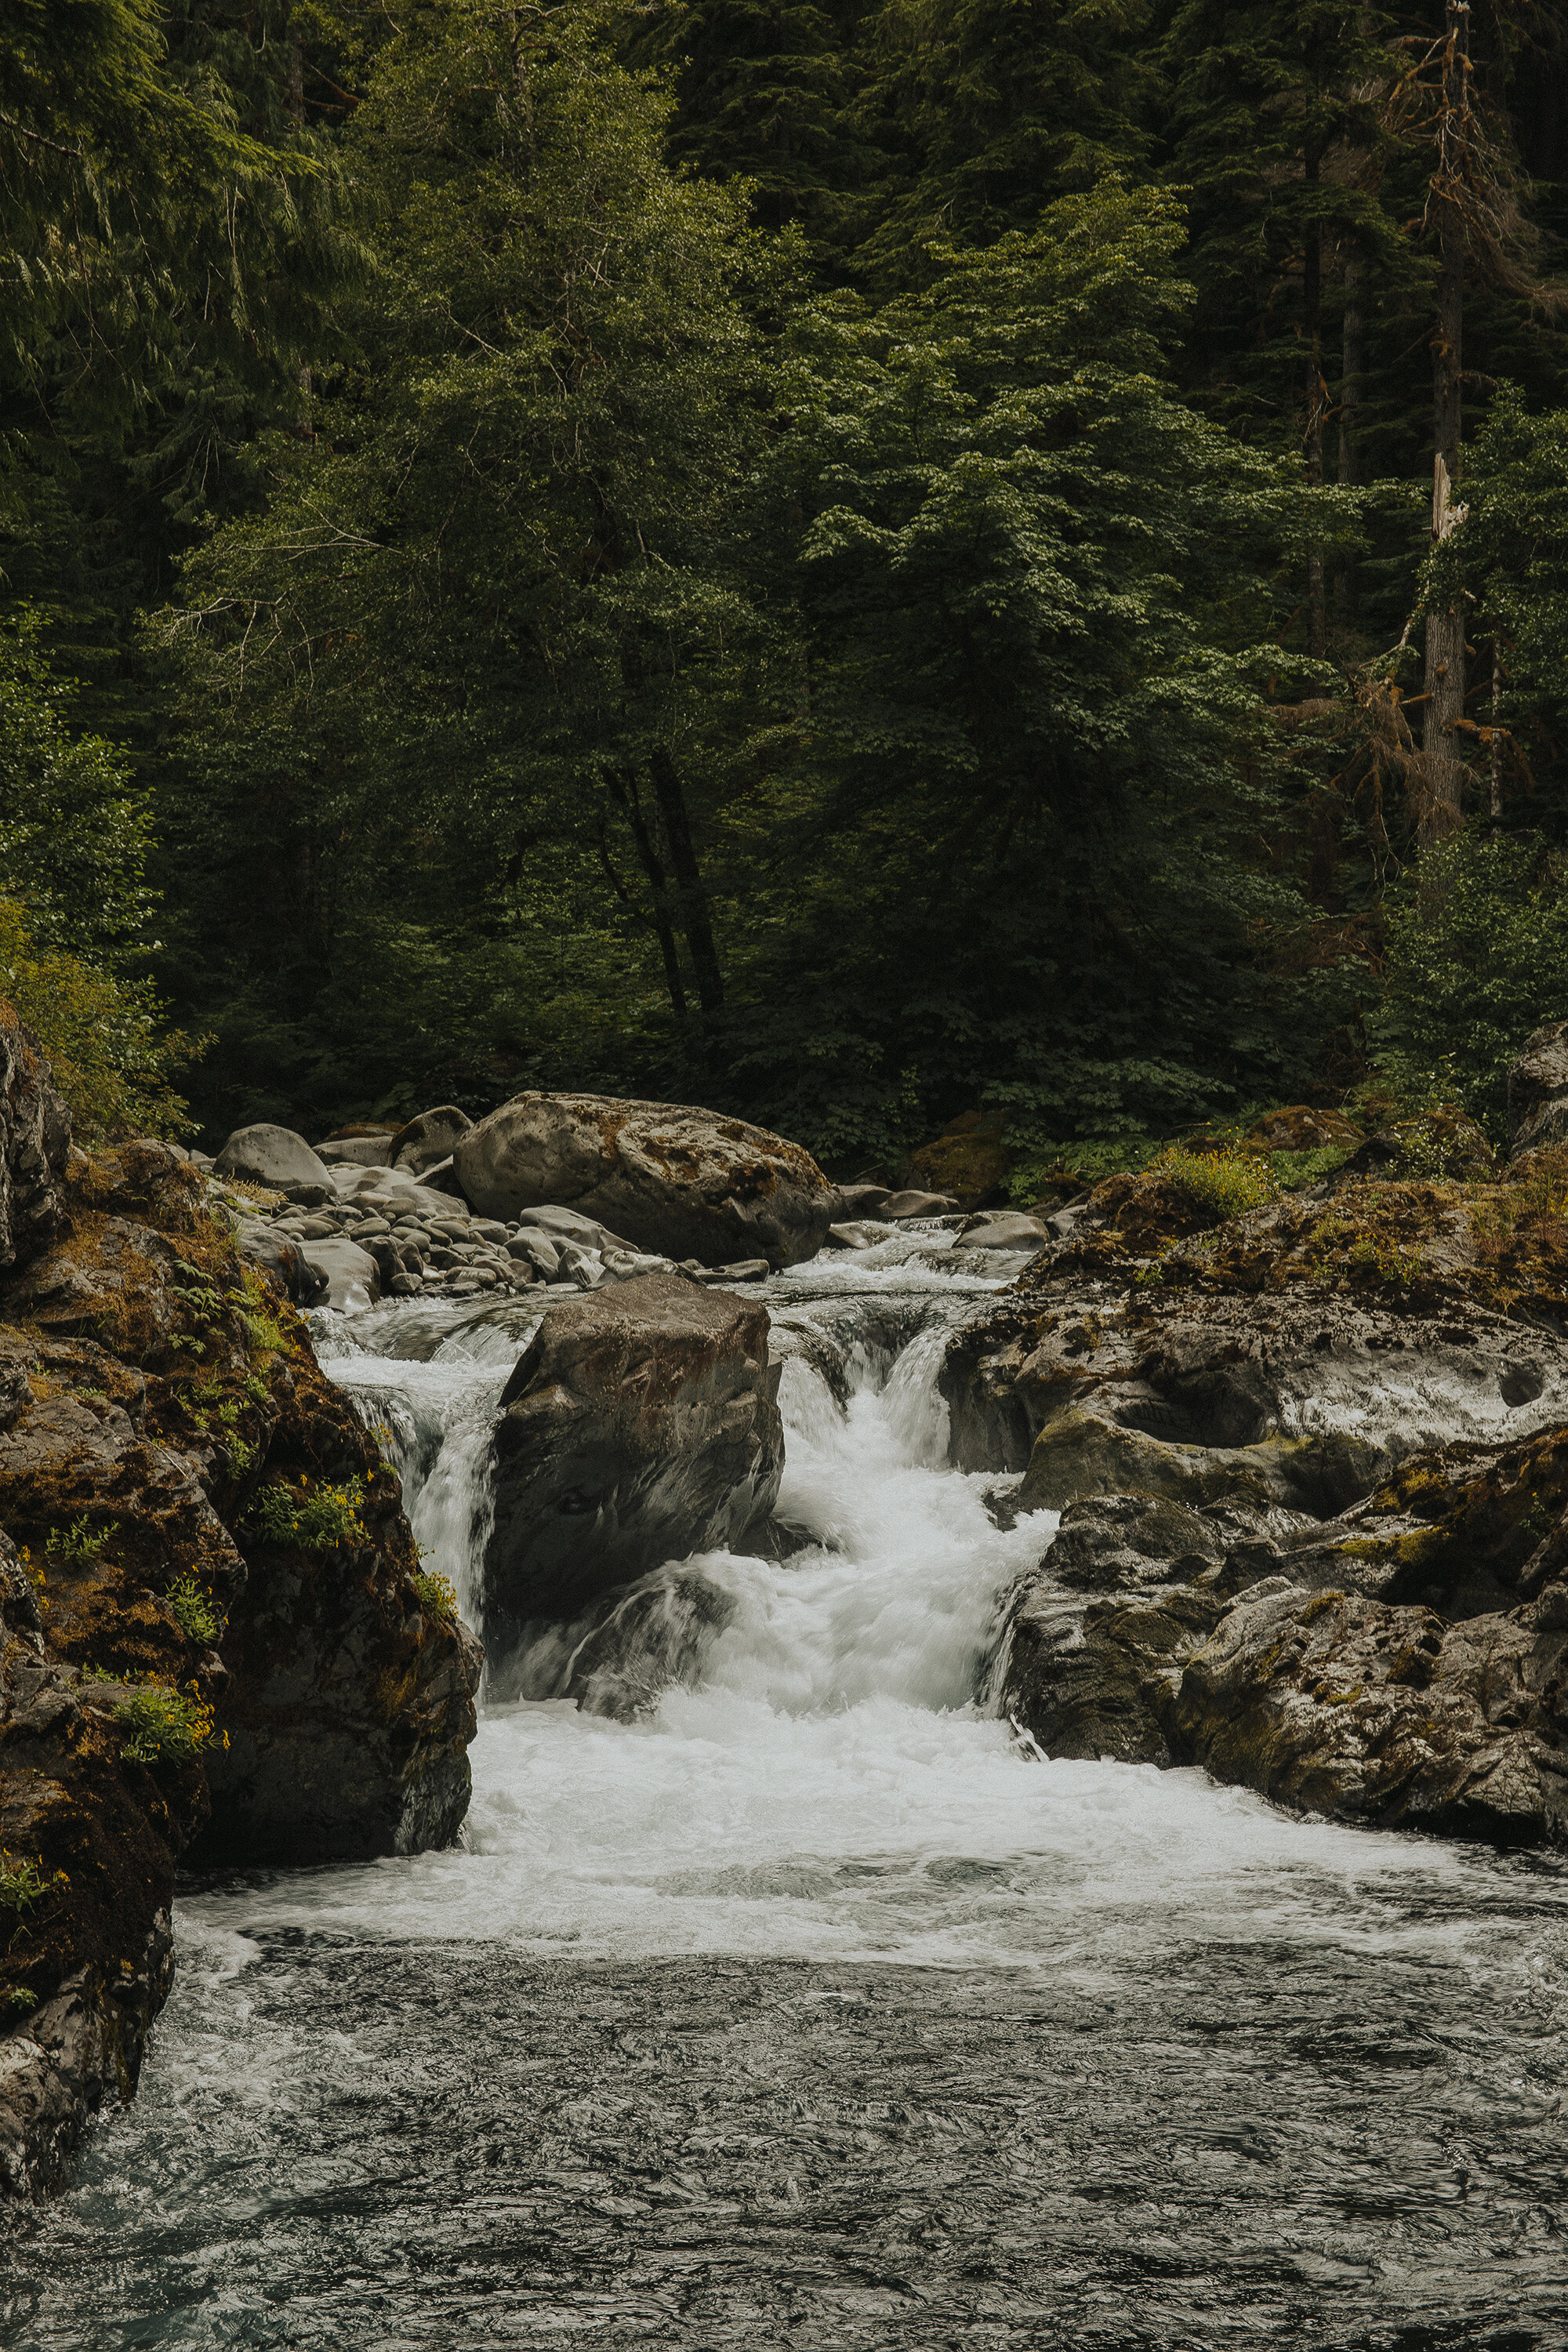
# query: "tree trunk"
{"type": "Point", "coordinates": [1442, 810]}
{"type": "Point", "coordinates": [1312, 334]}
{"type": "Point", "coordinates": [691, 897]}
{"type": "Point", "coordinates": [1354, 364]}
{"type": "Point", "coordinates": [624, 786]}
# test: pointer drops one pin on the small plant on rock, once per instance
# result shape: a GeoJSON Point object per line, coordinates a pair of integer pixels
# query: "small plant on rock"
{"type": "Point", "coordinates": [193, 1612]}
{"type": "Point", "coordinates": [164, 1725]}
{"type": "Point", "coordinates": [438, 1595]}
{"type": "Point", "coordinates": [1227, 1182]}
{"type": "Point", "coordinates": [77, 1546]}
{"type": "Point", "coordinates": [316, 1519]}
{"type": "Point", "coordinates": [22, 1885]}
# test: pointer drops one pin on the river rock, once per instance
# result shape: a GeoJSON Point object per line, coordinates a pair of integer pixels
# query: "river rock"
{"type": "Point", "coordinates": [357, 1152]}
{"type": "Point", "coordinates": [898, 1206]}
{"type": "Point", "coordinates": [428, 1140]}
{"type": "Point", "coordinates": [35, 1144]}
{"type": "Point", "coordinates": [678, 1182]}
{"type": "Point", "coordinates": [857, 1202]}
{"type": "Point", "coordinates": [1009, 1229]}
{"type": "Point", "coordinates": [641, 1425]}
{"type": "Point", "coordinates": [350, 1274]}
{"type": "Point", "coordinates": [258, 1242]}
{"type": "Point", "coordinates": [278, 1157]}
{"type": "Point", "coordinates": [1538, 1089]}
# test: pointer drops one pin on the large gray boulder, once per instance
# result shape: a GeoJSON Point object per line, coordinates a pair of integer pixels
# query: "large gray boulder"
{"type": "Point", "coordinates": [683, 1182]}
{"type": "Point", "coordinates": [641, 1425]}
{"type": "Point", "coordinates": [34, 1143]}
{"type": "Point", "coordinates": [1538, 1089]}
{"type": "Point", "coordinates": [278, 1157]}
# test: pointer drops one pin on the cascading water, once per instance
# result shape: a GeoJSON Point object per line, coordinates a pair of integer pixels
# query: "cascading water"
{"type": "Point", "coordinates": [802, 2003]}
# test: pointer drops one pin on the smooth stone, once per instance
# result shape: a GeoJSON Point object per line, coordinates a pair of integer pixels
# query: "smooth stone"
{"type": "Point", "coordinates": [857, 1236]}
{"type": "Point", "coordinates": [353, 1278]}
{"type": "Point", "coordinates": [1002, 1229]}
{"type": "Point", "coordinates": [899, 1205]}
{"type": "Point", "coordinates": [279, 1158]}
{"type": "Point", "coordinates": [427, 1142]}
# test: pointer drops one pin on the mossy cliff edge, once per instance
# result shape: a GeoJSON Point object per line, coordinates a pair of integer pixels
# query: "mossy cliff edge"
{"type": "Point", "coordinates": [216, 1641]}
{"type": "Point", "coordinates": [1310, 1459]}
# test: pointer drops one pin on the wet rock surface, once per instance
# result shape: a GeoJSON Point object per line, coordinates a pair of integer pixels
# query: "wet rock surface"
{"type": "Point", "coordinates": [672, 1178]}
{"type": "Point", "coordinates": [155, 1388]}
{"type": "Point", "coordinates": [1347, 1408]}
{"type": "Point", "coordinates": [640, 1425]}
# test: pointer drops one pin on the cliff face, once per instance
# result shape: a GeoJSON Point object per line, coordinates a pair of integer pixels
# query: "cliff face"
{"type": "Point", "coordinates": [216, 1634]}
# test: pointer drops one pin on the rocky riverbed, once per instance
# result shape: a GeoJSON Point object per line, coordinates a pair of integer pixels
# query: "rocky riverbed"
{"type": "Point", "coordinates": [1072, 1518]}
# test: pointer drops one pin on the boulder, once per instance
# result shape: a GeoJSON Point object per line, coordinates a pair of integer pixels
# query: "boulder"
{"type": "Point", "coordinates": [857, 1202]}
{"type": "Point", "coordinates": [900, 1205]}
{"type": "Point", "coordinates": [641, 1425]}
{"type": "Point", "coordinates": [1538, 1089]}
{"type": "Point", "coordinates": [968, 1161]}
{"type": "Point", "coordinates": [35, 1145]}
{"type": "Point", "coordinates": [259, 1243]}
{"type": "Point", "coordinates": [864, 1234]}
{"type": "Point", "coordinates": [351, 1276]}
{"type": "Point", "coordinates": [1080, 1452]}
{"type": "Point", "coordinates": [357, 1152]}
{"type": "Point", "coordinates": [427, 1140]}
{"type": "Point", "coordinates": [679, 1181]}
{"type": "Point", "coordinates": [278, 1157]}
{"type": "Point", "coordinates": [1009, 1229]}
{"type": "Point", "coordinates": [1386, 1716]}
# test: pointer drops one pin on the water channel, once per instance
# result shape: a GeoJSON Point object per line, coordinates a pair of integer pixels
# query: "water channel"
{"type": "Point", "coordinates": [813, 2008]}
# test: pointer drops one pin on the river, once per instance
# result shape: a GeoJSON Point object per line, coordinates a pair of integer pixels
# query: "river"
{"type": "Point", "coordinates": [814, 2008]}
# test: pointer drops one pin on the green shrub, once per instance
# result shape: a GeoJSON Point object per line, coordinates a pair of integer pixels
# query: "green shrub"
{"type": "Point", "coordinates": [1227, 1182]}
{"type": "Point", "coordinates": [1293, 1170]}
{"type": "Point", "coordinates": [438, 1596]}
{"type": "Point", "coordinates": [101, 1034]}
{"type": "Point", "coordinates": [23, 1884]}
{"type": "Point", "coordinates": [77, 1545]}
{"type": "Point", "coordinates": [191, 1611]}
{"type": "Point", "coordinates": [316, 1520]}
{"type": "Point", "coordinates": [164, 1725]}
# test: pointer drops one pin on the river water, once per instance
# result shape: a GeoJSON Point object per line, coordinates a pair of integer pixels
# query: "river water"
{"type": "Point", "coordinates": [814, 2008]}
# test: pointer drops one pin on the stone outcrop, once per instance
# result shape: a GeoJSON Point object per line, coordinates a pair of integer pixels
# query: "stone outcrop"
{"type": "Point", "coordinates": [1327, 1334]}
{"type": "Point", "coordinates": [1314, 1484]}
{"type": "Point", "coordinates": [203, 1545]}
{"type": "Point", "coordinates": [1538, 1090]}
{"type": "Point", "coordinates": [34, 1141]}
{"type": "Point", "coordinates": [682, 1182]}
{"type": "Point", "coordinates": [641, 1424]}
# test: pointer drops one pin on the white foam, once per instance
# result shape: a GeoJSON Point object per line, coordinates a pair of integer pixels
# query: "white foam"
{"type": "Point", "coordinates": [835, 1785]}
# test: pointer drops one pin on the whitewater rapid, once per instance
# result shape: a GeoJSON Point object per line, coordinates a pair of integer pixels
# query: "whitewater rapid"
{"type": "Point", "coordinates": [837, 1783]}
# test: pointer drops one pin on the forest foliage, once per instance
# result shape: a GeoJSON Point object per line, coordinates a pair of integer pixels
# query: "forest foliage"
{"type": "Point", "coordinates": [849, 562]}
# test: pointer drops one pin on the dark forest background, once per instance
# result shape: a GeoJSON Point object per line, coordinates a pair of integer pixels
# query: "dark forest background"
{"type": "Point", "coordinates": [850, 562]}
